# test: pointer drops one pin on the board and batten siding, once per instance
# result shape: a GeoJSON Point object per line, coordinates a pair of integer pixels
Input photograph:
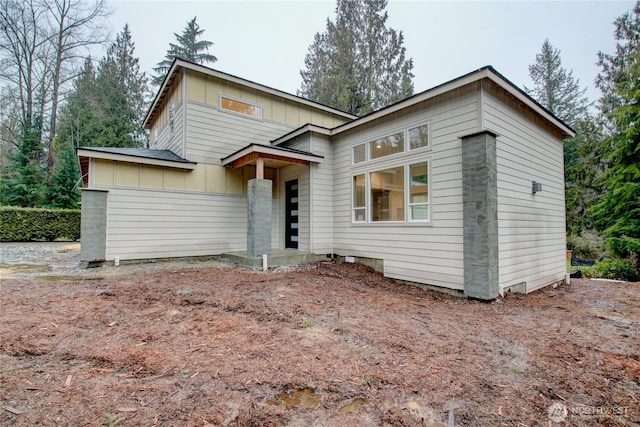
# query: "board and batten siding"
{"type": "Point", "coordinates": [429, 254]}
{"type": "Point", "coordinates": [531, 227]}
{"type": "Point", "coordinates": [146, 224]}
{"type": "Point", "coordinates": [213, 134]}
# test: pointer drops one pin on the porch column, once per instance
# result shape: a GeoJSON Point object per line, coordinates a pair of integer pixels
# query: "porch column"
{"type": "Point", "coordinates": [259, 217]}
{"type": "Point", "coordinates": [480, 216]}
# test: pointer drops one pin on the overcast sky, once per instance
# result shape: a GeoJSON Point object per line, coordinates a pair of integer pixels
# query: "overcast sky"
{"type": "Point", "coordinates": [266, 41]}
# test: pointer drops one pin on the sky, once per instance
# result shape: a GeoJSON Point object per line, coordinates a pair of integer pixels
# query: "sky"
{"type": "Point", "coordinates": [266, 41]}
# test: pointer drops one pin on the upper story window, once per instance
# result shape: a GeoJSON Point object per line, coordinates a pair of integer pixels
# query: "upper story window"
{"type": "Point", "coordinates": [240, 107]}
{"type": "Point", "coordinates": [410, 139]}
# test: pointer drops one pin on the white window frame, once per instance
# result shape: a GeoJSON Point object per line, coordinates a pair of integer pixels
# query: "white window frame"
{"type": "Point", "coordinates": [366, 199]}
{"type": "Point", "coordinates": [408, 137]}
{"type": "Point", "coordinates": [408, 187]}
{"type": "Point", "coordinates": [353, 153]}
{"type": "Point", "coordinates": [238, 113]}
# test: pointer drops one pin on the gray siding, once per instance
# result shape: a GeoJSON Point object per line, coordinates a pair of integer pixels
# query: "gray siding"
{"type": "Point", "coordinates": [161, 224]}
{"type": "Point", "coordinates": [321, 196]}
{"type": "Point", "coordinates": [213, 135]}
{"type": "Point", "coordinates": [531, 227]}
{"type": "Point", "coordinates": [172, 139]}
{"type": "Point", "coordinates": [431, 254]}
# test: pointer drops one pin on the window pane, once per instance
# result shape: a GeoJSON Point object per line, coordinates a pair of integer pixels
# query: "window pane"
{"type": "Point", "coordinates": [359, 199]}
{"type": "Point", "coordinates": [359, 153]}
{"type": "Point", "coordinates": [419, 187]}
{"type": "Point", "coordinates": [419, 137]}
{"type": "Point", "coordinates": [387, 195]}
{"type": "Point", "coordinates": [386, 146]}
{"type": "Point", "coordinates": [241, 107]}
{"type": "Point", "coordinates": [420, 212]}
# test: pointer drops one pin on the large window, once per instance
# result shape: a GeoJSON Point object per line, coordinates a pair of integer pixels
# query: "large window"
{"type": "Point", "coordinates": [387, 194]}
{"type": "Point", "coordinates": [240, 107]}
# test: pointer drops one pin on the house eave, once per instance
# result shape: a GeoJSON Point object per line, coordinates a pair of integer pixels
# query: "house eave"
{"type": "Point", "coordinates": [252, 152]}
{"type": "Point", "coordinates": [181, 63]}
{"type": "Point", "coordinates": [301, 131]}
{"type": "Point", "coordinates": [88, 153]}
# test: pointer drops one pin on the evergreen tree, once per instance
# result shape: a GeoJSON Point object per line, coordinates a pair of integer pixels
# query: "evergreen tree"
{"type": "Point", "coordinates": [24, 184]}
{"type": "Point", "coordinates": [189, 47]}
{"type": "Point", "coordinates": [555, 88]}
{"type": "Point", "coordinates": [560, 93]}
{"type": "Point", "coordinates": [62, 191]}
{"type": "Point", "coordinates": [618, 209]}
{"type": "Point", "coordinates": [357, 65]}
{"type": "Point", "coordinates": [122, 93]}
{"type": "Point", "coordinates": [627, 34]}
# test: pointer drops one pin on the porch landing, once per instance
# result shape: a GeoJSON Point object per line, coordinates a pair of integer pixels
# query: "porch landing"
{"type": "Point", "coordinates": [276, 258]}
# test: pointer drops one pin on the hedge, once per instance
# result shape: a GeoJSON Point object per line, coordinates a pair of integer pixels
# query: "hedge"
{"type": "Point", "coordinates": [25, 224]}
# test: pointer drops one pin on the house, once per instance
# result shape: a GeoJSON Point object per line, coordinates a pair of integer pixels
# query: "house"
{"type": "Point", "coordinates": [459, 187]}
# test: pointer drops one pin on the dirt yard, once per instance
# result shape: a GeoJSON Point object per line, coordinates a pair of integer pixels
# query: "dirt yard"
{"type": "Point", "coordinates": [200, 344]}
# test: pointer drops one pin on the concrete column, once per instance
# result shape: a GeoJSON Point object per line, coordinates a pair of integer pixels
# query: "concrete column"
{"type": "Point", "coordinates": [93, 226]}
{"type": "Point", "coordinates": [480, 215]}
{"type": "Point", "coordinates": [259, 218]}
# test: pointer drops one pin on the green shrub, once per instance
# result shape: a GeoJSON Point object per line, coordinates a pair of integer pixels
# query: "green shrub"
{"type": "Point", "coordinates": [588, 245]}
{"type": "Point", "coordinates": [615, 269]}
{"type": "Point", "coordinates": [25, 224]}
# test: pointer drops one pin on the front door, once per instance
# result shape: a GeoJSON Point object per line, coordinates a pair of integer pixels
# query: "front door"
{"type": "Point", "coordinates": [291, 213]}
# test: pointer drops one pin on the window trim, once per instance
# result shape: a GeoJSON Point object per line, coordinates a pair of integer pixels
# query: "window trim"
{"type": "Point", "coordinates": [222, 96]}
{"type": "Point", "coordinates": [407, 143]}
{"type": "Point", "coordinates": [377, 167]}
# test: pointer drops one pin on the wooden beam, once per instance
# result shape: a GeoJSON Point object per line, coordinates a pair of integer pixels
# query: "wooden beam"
{"type": "Point", "coordinates": [253, 157]}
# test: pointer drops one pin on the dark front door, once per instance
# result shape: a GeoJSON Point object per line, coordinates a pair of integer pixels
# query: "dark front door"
{"type": "Point", "coordinates": [291, 212]}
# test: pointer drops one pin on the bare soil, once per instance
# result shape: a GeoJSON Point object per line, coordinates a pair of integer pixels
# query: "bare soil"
{"type": "Point", "coordinates": [198, 344]}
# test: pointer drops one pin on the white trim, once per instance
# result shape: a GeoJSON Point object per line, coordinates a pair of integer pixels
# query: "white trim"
{"type": "Point", "coordinates": [270, 150]}
{"type": "Point", "coordinates": [184, 112]}
{"type": "Point", "coordinates": [484, 73]}
{"type": "Point", "coordinates": [300, 131]}
{"type": "Point", "coordinates": [134, 159]}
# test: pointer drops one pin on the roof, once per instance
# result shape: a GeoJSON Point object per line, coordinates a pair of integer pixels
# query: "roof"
{"type": "Point", "coordinates": [137, 155]}
{"type": "Point", "coordinates": [184, 64]}
{"type": "Point", "coordinates": [279, 156]}
{"type": "Point", "coordinates": [487, 72]}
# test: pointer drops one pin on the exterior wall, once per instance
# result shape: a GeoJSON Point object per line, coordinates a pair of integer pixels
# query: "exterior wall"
{"type": "Point", "coordinates": [93, 225]}
{"type": "Point", "coordinates": [204, 178]}
{"type": "Point", "coordinates": [144, 223]}
{"type": "Point", "coordinates": [167, 132]}
{"type": "Point", "coordinates": [321, 196]}
{"type": "Point", "coordinates": [424, 253]}
{"type": "Point", "coordinates": [531, 227]}
{"type": "Point", "coordinates": [213, 133]}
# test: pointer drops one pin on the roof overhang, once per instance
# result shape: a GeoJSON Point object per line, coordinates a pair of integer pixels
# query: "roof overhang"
{"type": "Point", "coordinates": [119, 157]}
{"type": "Point", "coordinates": [488, 73]}
{"type": "Point", "coordinates": [301, 131]}
{"type": "Point", "coordinates": [181, 64]}
{"type": "Point", "coordinates": [273, 157]}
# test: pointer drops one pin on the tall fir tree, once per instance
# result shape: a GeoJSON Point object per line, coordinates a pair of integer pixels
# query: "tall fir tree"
{"type": "Point", "coordinates": [617, 212]}
{"type": "Point", "coordinates": [24, 184]}
{"type": "Point", "coordinates": [188, 47]}
{"type": "Point", "coordinates": [559, 91]}
{"type": "Point", "coordinates": [555, 88]}
{"type": "Point", "coordinates": [123, 94]}
{"type": "Point", "coordinates": [613, 66]}
{"type": "Point", "coordinates": [357, 65]}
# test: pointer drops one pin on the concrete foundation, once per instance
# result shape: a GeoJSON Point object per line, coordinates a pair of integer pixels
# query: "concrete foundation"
{"type": "Point", "coordinates": [93, 226]}
{"type": "Point", "coordinates": [277, 258]}
{"type": "Point", "coordinates": [259, 217]}
{"type": "Point", "coordinates": [480, 216]}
